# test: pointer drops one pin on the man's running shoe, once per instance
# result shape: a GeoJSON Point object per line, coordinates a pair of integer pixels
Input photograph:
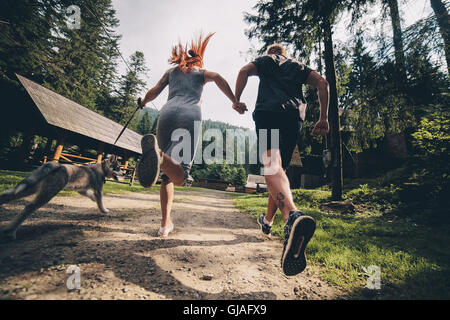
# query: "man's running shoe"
{"type": "Point", "coordinates": [265, 227]}
{"type": "Point", "coordinates": [298, 230]}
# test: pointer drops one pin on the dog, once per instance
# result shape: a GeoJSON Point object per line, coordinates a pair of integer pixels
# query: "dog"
{"type": "Point", "coordinates": [49, 179]}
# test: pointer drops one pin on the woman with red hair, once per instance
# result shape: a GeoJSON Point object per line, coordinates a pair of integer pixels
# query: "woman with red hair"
{"type": "Point", "coordinates": [179, 115]}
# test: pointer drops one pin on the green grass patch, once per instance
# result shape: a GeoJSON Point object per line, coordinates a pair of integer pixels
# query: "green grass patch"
{"type": "Point", "coordinates": [9, 179]}
{"type": "Point", "coordinates": [414, 259]}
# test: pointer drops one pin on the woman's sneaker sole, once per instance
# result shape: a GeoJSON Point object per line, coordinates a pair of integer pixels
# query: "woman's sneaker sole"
{"type": "Point", "coordinates": [293, 260]}
{"type": "Point", "coordinates": [149, 166]}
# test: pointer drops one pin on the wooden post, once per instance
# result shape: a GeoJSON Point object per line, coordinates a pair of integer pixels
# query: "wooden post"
{"type": "Point", "coordinates": [133, 175]}
{"type": "Point", "coordinates": [125, 159]}
{"type": "Point", "coordinates": [59, 147]}
{"type": "Point", "coordinates": [101, 149]}
{"type": "Point", "coordinates": [47, 149]}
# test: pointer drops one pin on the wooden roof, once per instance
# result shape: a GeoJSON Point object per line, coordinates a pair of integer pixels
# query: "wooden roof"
{"type": "Point", "coordinates": [64, 113]}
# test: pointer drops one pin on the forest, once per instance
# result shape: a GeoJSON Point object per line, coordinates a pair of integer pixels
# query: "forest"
{"type": "Point", "coordinates": [389, 141]}
{"type": "Point", "coordinates": [389, 88]}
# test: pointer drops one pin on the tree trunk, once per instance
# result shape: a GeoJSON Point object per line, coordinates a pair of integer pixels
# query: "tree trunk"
{"type": "Point", "coordinates": [444, 26]}
{"type": "Point", "coordinates": [398, 42]}
{"type": "Point", "coordinates": [335, 134]}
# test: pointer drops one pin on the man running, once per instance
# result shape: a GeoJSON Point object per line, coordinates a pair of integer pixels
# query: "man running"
{"type": "Point", "coordinates": [280, 107]}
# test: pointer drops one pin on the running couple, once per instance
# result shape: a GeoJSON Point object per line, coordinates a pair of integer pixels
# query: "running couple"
{"type": "Point", "coordinates": [280, 105]}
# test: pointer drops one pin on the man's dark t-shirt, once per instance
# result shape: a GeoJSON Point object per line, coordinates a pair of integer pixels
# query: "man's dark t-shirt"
{"type": "Point", "coordinates": [280, 79]}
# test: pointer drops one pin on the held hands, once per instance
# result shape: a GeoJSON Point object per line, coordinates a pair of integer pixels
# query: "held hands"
{"type": "Point", "coordinates": [240, 107]}
{"type": "Point", "coordinates": [321, 128]}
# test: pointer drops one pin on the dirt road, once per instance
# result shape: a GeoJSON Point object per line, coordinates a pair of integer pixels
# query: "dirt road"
{"type": "Point", "coordinates": [215, 252]}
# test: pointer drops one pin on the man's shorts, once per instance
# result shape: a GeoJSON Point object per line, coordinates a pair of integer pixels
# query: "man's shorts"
{"type": "Point", "coordinates": [289, 126]}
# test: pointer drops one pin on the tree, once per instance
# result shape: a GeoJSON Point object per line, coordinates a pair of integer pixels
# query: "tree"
{"type": "Point", "coordinates": [398, 41]}
{"type": "Point", "coordinates": [25, 40]}
{"type": "Point", "coordinates": [363, 112]}
{"type": "Point", "coordinates": [305, 20]}
{"type": "Point", "coordinates": [443, 19]}
{"type": "Point", "coordinates": [130, 86]}
{"type": "Point", "coordinates": [145, 124]}
{"type": "Point", "coordinates": [82, 62]}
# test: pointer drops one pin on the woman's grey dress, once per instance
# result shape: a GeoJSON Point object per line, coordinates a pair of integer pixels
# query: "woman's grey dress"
{"type": "Point", "coordinates": [179, 116]}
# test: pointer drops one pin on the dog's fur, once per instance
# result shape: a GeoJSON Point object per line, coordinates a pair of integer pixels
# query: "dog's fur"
{"type": "Point", "coordinates": [49, 179]}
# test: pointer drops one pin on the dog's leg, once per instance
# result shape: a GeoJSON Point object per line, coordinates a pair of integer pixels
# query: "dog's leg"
{"type": "Point", "coordinates": [20, 191]}
{"type": "Point", "coordinates": [100, 204]}
{"type": "Point", "coordinates": [88, 193]}
{"type": "Point", "coordinates": [47, 191]}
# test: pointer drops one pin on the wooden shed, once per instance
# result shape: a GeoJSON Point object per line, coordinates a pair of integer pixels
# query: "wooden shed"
{"type": "Point", "coordinates": [48, 114]}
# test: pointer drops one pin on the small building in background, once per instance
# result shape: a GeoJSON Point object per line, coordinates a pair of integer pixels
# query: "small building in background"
{"type": "Point", "coordinates": [255, 184]}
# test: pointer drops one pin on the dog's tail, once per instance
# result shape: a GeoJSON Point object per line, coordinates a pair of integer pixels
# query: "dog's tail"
{"type": "Point", "coordinates": [29, 185]}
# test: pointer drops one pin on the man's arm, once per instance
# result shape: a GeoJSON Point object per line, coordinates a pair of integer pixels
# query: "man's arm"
{"type": "Point", "coordinates": [241, 81]}
{"type": "Point", "coordinates": [315, 80]}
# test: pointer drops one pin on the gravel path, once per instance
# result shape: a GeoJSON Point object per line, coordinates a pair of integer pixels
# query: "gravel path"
{"type": "Point", "coordinates": [215, 252]}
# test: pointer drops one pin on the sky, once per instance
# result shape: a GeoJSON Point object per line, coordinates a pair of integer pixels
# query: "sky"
{"type": "Point", "coordinates": [153, 27]}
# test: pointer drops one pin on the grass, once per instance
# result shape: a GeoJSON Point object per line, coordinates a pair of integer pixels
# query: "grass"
{"type": "Point", "coordinates": [9, 179]}
{"type": "Point", "coordinates": [414, 258]}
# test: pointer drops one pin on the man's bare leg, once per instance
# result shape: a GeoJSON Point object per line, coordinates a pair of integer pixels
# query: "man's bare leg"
{"type": "Point", "coordinates": [278, 183]}
{"type": "Point", "coordinates": [271, 209]}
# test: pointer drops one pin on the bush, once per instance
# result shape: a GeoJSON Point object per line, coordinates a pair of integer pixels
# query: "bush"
{"type": "Point", "coordinates": [240, 178]}
{"type": "Point", "coordinates": [432, 146]}
{"type": "Point", "coordinates": [431, 161]}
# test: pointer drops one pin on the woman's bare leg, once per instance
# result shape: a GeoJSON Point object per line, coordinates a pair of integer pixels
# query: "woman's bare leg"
{"type": "Point", "coordinates": [172, 169]}
{"type": "Point", "coordinates": [166, 198]}
{"type": "Point", "coordinates": [174, 174]}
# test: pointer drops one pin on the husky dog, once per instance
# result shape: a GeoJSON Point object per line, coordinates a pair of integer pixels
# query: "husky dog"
{"type": "Point", "coordinates": [49, 179]}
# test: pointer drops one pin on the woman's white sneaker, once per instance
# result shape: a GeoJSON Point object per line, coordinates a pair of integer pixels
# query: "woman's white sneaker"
{"type": "Point", "coordinates": [164, 231]}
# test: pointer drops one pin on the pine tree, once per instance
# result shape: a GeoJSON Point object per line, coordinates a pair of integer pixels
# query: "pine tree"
{"type": "Point", "coordinates": [145, 124]}
{"type": "Point", "coordinates": [83, 62]}
{"type": "Point", "coordinates": [131, 86]}
{"type": "Point", "coordinates": [440, 10]}
{"type": "Point", "coordinates": [25, 40]}
{"type": "Point", "coordinates": [398, 42]}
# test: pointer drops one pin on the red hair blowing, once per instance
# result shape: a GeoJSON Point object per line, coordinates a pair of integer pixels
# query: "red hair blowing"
{"type": "Point", "coordinates": [188, 59]}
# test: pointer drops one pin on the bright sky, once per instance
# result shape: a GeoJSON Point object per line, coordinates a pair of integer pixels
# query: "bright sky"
{"type": "Point", "coordinates": [153, 27]}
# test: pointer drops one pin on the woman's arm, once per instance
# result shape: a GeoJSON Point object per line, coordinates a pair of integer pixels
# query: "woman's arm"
{"type": "Point", "coordinates": [223, 85]}
{"type": "Point", "coordinates": [156, 90]}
